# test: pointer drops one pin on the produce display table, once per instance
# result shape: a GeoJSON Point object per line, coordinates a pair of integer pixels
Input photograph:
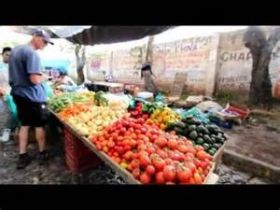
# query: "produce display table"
{"type": "Point", "coordinates": [210, 179]}
{"type": "Point", "coordinates": [217, 159]}
{"type": "Point", "coordinates": [106, 86]}
{"type": "Point", "coordinates": [122, 172]}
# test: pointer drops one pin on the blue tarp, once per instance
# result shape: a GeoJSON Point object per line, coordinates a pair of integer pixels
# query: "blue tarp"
{"type": "Point", "coordinates": [59, 65]}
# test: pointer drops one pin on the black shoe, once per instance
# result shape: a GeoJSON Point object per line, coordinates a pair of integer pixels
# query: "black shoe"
{"type": "Point", "coordinates": [43, 157]}
{"type": "Point", "coordinates": [23, 161]}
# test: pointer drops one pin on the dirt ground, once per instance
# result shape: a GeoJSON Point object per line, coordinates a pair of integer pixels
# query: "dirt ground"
{"type": "Point", "coordinates": [259, 139]}
{"type": "Point", "coordinates": [55, 172]}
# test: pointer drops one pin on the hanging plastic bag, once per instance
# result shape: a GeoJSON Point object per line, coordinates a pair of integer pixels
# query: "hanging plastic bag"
{"type": "Point", "coordinates": [13, 109]}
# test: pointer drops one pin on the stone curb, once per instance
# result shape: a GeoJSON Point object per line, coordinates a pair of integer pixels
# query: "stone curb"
{"type": "Point", "coordinates": [256, 167]}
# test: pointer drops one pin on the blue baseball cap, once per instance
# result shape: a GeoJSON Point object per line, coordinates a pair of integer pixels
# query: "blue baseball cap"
{"type": "Point", "coordinates": [42, 33]}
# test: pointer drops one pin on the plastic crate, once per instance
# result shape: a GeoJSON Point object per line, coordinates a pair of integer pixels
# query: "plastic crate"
{"type": "Point", "coordinates": [77, 156]}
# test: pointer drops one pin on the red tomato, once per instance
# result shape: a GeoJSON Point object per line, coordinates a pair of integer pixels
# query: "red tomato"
{"type": "Point", "coordinates": [135, 163]}
{"type": "Point", "coordinates": [138, 131]}
{"type": "Point", "coordinates": [116, 154]}
{"type": "Point", "coordinates": [143, 152]}
{"type": "Point", "coordinates": [142, 147]}
{"type": "Point", "coordinates": [105, 149]}
{"type": "Point", "coordinates": [98, 146]}
{"type": "Point", "coordinates": [145, 178]}
{"type": "Point", "coordinates": [161, 153]}
{"type": "Point", "coordinates": [129, 167]}
{"type": "Point", "coordinates": [143, 129]}
{"type": "Point", "coordinates": [111, 144]}
{"type": "Point", "coordinates": [191, 166]}
{"type": "Point", "coordinates": [168, 161]}
{"type": "Point", "coordinates": [133, 143]}
{"type": "Point", "coordinates": [146, 139]}
{"type": "Point", "coordinates": [119, 138]}
{"type": "Point", "coordinates": [192, 181]}
{"type": "Point", "coordinates": [170, 183]}
{"type": "Point", "coordinates": [196, 162]}
{"type": "Point", "coordinates": [151, 150]}
{"type": "Point", "coordinates": [204, 164]}
{"type": "Point", "coordinates": [138, 126]}
{"type": "Point", "coordinates": [169, 173]}
{"type": "Point", "coordinates": [145, 116]}
{"type": "Point", "coordinates": [150, 170]}
{"type": "Point", "coordinates": [177, 156]}
{"type": "Point", "coordinates": [141, 121]}
{"type": "Point", "coordinates": [172, 144]}
{"type": "Point", "coordinates": [161, 142]}
{"type": "Point", "coordinates": [136, 173]}
{"type": "Point", "coordinates": [127, 147]}
{"type": "Point", "coordinates": [118, 160]}
{"type": "Point", "coordinates": [160, 178]}
{"type": "Point", "coordinates": [190, 155]}
{"type": "Point", "coordinates": [131, 129]}
{"type": "Point", "coordinates": [128, 155]}
{"type": "Point", "coordinates": [197, 178]}
{"type": "Point", "coordinates": [144, 161]}
{"type": "Point", "coordinates": [183, 174]}
{"type": "Point", "coordinates": [159, 163]}
{"type": "Point", "coordinates": [201, 154]}
{"type": "Point", "coordinates": [192, 150]}
{"type": "Point", "coordinates": [183, 148]}
{"type": "Point", "coordinates": [199, 148]}
{"type": "Point", "coordinates": [153, 138]}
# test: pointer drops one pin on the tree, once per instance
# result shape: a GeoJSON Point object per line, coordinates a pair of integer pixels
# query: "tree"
{"type": "Point", "coordinates": [80, 60]}
{"type": "Point", "coordinates": [149, 52]}
{"type": "Point", "coordinates": [261, 47]}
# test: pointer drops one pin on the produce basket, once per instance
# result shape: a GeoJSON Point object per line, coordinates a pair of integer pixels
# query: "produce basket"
{"type": "Point", "coordinates": [77, 156]}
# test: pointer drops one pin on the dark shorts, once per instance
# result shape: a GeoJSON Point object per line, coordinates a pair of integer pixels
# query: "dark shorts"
{"type": "Point", "coordinates": [31, 113]}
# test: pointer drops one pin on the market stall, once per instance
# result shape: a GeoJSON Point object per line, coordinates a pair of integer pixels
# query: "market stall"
{"type": "Point", "coordinates": [137, 142]}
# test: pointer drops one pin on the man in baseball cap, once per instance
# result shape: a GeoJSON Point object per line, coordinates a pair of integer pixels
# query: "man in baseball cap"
{"type": "Point", "coordinates": [41, 33]}
{"type": "Point", "coordinates": [28, 91]}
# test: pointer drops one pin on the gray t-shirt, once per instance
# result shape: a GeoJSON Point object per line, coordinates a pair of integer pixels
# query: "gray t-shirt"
{"type": "Point", "coordinates": [24, 61]}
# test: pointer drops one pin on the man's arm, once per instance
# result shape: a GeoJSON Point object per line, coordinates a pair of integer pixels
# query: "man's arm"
{"type": "Point", "coordinates": [34, 68]}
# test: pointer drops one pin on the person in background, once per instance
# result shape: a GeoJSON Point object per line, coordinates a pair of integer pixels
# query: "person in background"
{"type": "Point", "coordinates": [6, 116]}
{"type": "Point", "coordinates": [149, 84]}
{"type": "Point", "coordinates": [26, 81]}
{"type": "Point", "coordinates": [4, 80]}
{"type": "Point", "coordinates": [64, 79]}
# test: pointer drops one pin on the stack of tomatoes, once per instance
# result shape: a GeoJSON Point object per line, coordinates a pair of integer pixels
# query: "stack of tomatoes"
{"type": "Point", "coordinates": [138, 113]}
{"type": "Point", "coordinates": [152, 155]}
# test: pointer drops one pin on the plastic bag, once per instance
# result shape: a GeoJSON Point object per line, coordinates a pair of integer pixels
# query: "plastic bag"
{"type": "Point", "coordinates": [48, 89]}
{"type": "Point", "coordinates": [196, 113]}
{"type": "Point", "coordinates": [13, 109]}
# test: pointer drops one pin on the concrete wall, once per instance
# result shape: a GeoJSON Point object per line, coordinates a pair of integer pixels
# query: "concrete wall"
{"type": "Point", "coordinates": [220, 62]}
{"type": "Point", "coordinates": [235, 64]}
{"type": "Point", "coordinates": [188, 55]}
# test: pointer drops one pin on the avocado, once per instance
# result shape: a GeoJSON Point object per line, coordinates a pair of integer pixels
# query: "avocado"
{"type": "Point", "coordinates": [191, 128]}
{"type": "Point", "coordinates": [179, 131]}
{"type": "Point", "coordinates": [199, 141]}
{"type": "Point", "coordinates": [193, 135]}
{"type": "Point", "coordinates": [206, 146]}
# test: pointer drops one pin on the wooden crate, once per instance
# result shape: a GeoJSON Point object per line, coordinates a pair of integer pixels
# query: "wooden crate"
{"type": "Point", "coordinates": [78, 157]}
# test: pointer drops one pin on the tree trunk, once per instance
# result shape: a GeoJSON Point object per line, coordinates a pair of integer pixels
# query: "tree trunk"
{"type": "Point", "coordinates": [80, 60]}
{"type": "Point", "coordinates": [149, 52]}
{"type": "Point", "coordinates": [261, 49]}
{"type": "Point", "coordinates": [261, 87]}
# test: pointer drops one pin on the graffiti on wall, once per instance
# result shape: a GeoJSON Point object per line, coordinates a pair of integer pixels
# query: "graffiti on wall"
{"type": "Point", "coordinates": [99, 61]}
{"type": "Point", "coordinates": [188, 55]}
{"type": "Point", "coordinates": [236, 66]}
{"type": "Point", "coordinates": [127, 59]}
